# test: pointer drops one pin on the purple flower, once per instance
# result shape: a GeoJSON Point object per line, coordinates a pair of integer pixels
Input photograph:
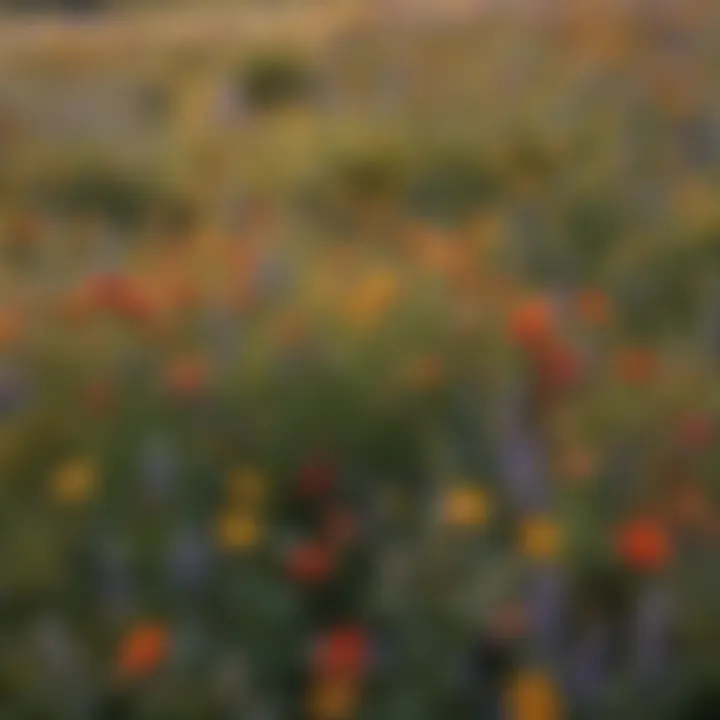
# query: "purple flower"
{"type": "Point", "coordinates": [13, 391]}
{"type": "Point", "coordinates": [588, 667]}
{"type": "Point", "coordinates": [546, 598]}
{"type": "Point", "coordinates": [523, 472]}
{"type": "Point", "coordinates": [653, 625]}
{"type": "Point", "coordinates": [224, 335]}
{"type": "Point", "coordinates": [189, 560]}
{"type": "Point", "coordinates": [55, 646]}
{"type": "Point", "coordinates": [158, 467]}
{"type": "Point", "coordinates": [114, 578]}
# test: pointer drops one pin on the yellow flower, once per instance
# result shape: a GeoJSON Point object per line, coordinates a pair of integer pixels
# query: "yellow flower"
{"type": "Point", "coordinates": [75, 481]}
{"type": "Point", "coordinates": [466, 507]}
{"type": "Point", "coordinates": [533, 696]}
{"type": "Point", "coordinates": [236, 531]}
{"type": "Point", "coordinates": [333, 699]}
{"type": "Point", "coordinates": [247, 486]}
{"type": "Point", "coordinates": [540, 538]}
{"type": "Point", "coordinates": [372, 297]}
{"type": "Point", "coordinates": [697, 204]}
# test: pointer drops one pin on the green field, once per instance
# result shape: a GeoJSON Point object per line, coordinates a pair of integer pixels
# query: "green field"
{"type": "Point", "coordinates": [360, 364]}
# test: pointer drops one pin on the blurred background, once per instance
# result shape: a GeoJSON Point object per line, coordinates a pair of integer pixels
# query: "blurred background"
{"type": "Point", "coordinates": [359, 361]}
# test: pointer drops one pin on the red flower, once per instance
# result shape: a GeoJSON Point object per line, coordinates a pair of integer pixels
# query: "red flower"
{"type": "Point", "coordinates": [106, 292]}
{"type": "Point", "coordinates": [533, 322]}
{"type": "Point", "coordinates": [558, 365]}
{"type": "Point", "coordinates": [341, 527]}
{"type": "Point", "coordinates": [136, 305]}
{"type": "Point", "coordinates": [344, 651]}
{"type": "Point", "coordinates": [187, 376]}
{"type": "Point", "coordinates": [310, 563]}
{"type": "Point", "coordinates": [644, 545]}
{"type": "Point", "coordinates": [142, 650]}
{"type": "Point", "coordinates": [696, 431]}
{"type": "Point", "coordinates": [317, 478]}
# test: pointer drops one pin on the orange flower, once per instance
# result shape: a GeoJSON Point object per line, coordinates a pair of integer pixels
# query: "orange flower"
{"type": "Point", "coordinates": [143, 650]}
{"type": "Point", "coordinates": [533, 322]}
{"type": "Point", "coordinates": [594, 307]}
{"type": "Point", "coordinates": [136, 303]}
{"type": "Point", "coordinates": [105, 292]}
{"type": "Point", "coordinates": [333, 699]}
{"type": "Point", "coordinates": [466, 507]}
{"type": "Point", "coordinates": [644, 545]}
{"type": "Point", "coordinates": [187, 376]}
{"type": "Point", "coordinates": [372, 297]}
{"type": "Point", "coordinates": [532, 695]}
{"type": "Point", "coordinates": [541, 538]}
{"type": "Point", "coordinates": [636, 366]}
{"type": "Point", "coordinates": [184, 294]}
{"type": "Point", "coordinates": [11, 328]}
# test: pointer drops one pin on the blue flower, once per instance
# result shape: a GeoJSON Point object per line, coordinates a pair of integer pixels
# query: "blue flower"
{"type": "Point", "coordinates": [14, 391]}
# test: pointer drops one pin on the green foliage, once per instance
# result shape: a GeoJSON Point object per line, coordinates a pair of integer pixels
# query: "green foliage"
{"type": "Point", "coordinates": [102, 190]}
{"type": "Point", "coordinates": [276, 79]}
{"type": "Point", "coordinates": [451, 183]}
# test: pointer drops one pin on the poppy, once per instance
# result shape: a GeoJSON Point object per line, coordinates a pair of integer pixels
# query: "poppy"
{"type": "Point", "coordinates": [310, 563]}
{"type": "Point", "coordinates": [558, 366]}
{"type": "Point", "coordinates": [344, 652]}
{"type": "Point", "coordinates": [143, 650]}
{"type": "Point", "coordinates": [644, 545]}
{"type": "Point", "coordinates": [533, 322]}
